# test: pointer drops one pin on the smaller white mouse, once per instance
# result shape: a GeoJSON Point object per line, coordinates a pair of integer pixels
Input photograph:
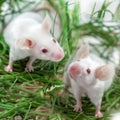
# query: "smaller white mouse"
{"type": "Point", "coordinates": [88, 75]}
{"type": "Point", "coordinates": [27, 35]}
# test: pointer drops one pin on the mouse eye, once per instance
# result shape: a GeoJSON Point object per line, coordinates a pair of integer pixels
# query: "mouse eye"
{"type": "Point", "coordinates": [44, 50]}
{"type": "Point", "coordinates": [88, 71]}
{"type": "Point", "coordinates": [78, 47]}
{"type": "Point", "coordinates": [54, 40]}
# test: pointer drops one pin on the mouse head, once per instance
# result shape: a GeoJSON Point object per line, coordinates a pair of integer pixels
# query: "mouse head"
{"type": "Point", "coordinates": [85, 70]}
{"type": "Point", "coordinates": [41, 43]}
{"type": "Point", "coordinates": [81, 69]}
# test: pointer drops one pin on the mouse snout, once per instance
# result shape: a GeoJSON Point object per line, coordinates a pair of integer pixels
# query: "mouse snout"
{"type": "Point", "coordinates": [74, 70]}
{"type": "Point", "coordinates": [58, 55]}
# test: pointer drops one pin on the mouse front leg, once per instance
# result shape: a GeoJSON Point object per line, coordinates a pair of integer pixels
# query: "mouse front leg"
{"type": "Point", "coordinates": [29, 67]}
{"type": "Point", "coordinates": [76, 92]}
{"type": "Point", "coordinates": [9, 67]}
{"type": "Point", "coordinates": [95, 97]}
{"type": "Point", "coordinates": [78, 106]}
{"type": "Point", "coordinates": [98, 113]}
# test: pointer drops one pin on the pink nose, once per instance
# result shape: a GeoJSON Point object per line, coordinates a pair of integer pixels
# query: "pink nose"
{"type": "Point", "coordinates": [58, 56]}
{"type": "Point", "coordinates": [74, 70]}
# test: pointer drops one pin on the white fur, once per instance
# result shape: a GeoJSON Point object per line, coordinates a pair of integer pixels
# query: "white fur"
{"type": "Point", "coordinates": [85, 84]}
{"type": "Point", "coordinates": [29, 26]}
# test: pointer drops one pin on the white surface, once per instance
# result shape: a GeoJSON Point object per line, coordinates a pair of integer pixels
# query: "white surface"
{"type": "Point", "coordinates": [115, 116]}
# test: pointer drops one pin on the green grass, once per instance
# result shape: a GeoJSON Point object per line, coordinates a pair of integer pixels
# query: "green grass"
{"type": "Point", "coordinates": [41, 93]}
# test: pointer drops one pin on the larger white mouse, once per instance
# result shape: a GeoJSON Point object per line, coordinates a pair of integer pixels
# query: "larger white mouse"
{"type": "Point", "coordinates": [27, 36]}
{"type": "Point", "coordinates": [87, 75]}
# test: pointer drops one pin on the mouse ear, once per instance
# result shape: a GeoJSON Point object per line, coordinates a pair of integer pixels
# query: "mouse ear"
{"type": "Point", "coordinates": [46, 24]}
{"type": "Point", "coordinates": [83, 51]}
{"type": "Point", "coordinates": [105, 72]}
{"type": "Point", "coordinates": [26, 43]}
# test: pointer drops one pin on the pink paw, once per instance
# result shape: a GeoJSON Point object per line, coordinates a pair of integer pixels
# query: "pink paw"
{"type": "Point", "coordinates": [8, 68]}
{"type": "Point", "coordinates": [29, 69]}
{"type": "Point", "coordinates": [98, 114]}
{"type": "Point", "coordinates": [78, 108]}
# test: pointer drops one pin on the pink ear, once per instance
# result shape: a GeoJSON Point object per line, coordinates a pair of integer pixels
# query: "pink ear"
{"type": "Point", "coordinates": [46, 25]}
{"type": "Point", "coordinates": [26, 43]}
{"type": "Point", "coordinates": [74, 70]}
{"type": "Point", "coordinates": [105, 72]}
{"type": "Point", "coordinates": [29, 43]}
{"type": "Point", "coordinates": [82, 52]}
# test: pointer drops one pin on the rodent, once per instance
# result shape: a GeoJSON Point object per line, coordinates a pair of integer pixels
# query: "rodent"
{"type": "Point", "coordinates": [26, 35]}
{"type": "Point", "coordinates": [88, 75]}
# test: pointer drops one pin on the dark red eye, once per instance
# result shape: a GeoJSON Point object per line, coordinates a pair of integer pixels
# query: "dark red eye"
{"type": "Point", "coordinates": [54, 40]}
{"type": "Point", "coordinates": [44, 50]}
{"type": "Point", "coordinates": [88, 71]}
{"type": "Point", "coordinates": [78, 47]}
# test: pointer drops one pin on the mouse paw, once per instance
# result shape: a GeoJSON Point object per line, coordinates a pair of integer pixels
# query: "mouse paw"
{"type": "Point", "coordinates": [29, 69]}
{"type": "Point", "coordinates": [8, 68]}
{"type": "Point", "coordinates": [98, 114]}
{"type": "Point", "coordinates": [77, 108]}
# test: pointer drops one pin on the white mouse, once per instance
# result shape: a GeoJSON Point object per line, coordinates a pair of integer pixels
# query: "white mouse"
{"type": "Point", "coordinates": [87, 75]}
{"type": "Point", "coordinates": [26, 35]}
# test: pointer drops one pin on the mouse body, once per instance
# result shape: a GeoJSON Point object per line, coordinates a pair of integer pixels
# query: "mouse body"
{"type": "Point", "coordinates": [88, 75]}
{"type": "Point", "coordinates": [29, 35]}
